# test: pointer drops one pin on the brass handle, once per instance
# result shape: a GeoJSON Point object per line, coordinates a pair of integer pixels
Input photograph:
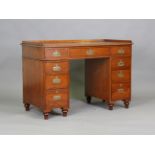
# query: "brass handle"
{"type": "Point", "coordinates": [56, 54]}
{"type": "Point", "coordinates": [56, 80]}
{"type": "Point", "coordinates": [56, 68]}
{"type": "Point", "coordinates": [120, 63]}
{"type": "Point", "coordinates": [120, 74]}
{"type": "Point", "coordinates": [56, 97]}
{"type": "Point", "coordinates": [120, 90]}
{"type": "Point", "coordinates": [121, 51]}
{"type": "Point", "coordinates": [90, 52]}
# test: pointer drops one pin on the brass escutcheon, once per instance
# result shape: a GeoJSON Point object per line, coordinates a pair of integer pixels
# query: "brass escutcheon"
{"type": "Point", "coordinates": [56, 97]}
{"type": "Point", "coordinates": [56, 54]}
{"type": "Point", "coordinates": [121, 51]}
{"type": "Point", "coordinates": [56, 68]}
{"type": "Point", "coordinates": [120, 74]}
{"type": "Point", "coordinates": [56, 80]}
{"type": "Point", "coordinates": [120, 63]}
{"type": "Point", "coordinates": [121, 85]}
{"type": "Point", "coordinates": [120, 90]}
{"type": "Point", "coordinates": [89, 52]}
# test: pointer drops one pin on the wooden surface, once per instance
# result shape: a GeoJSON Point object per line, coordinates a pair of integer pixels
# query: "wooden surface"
{"type": "Point", "coordinates": [76, 43]}
{"type": "Point", "coordinates": [97, 52]}
{"type": "Point", "coordinates": [46, 72]}
{"type": "Point", "coordinates": [97, 78]}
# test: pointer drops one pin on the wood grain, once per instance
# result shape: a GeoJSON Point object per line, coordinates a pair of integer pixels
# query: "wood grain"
{"type": "Point", "coordinates": [75, 53]}
{"type": "Point", "coordinates": [64, 81]}
{"type": "Point", "coordinates": [46, 72]}
{"type": "Point", "coordinates": [63, 67]}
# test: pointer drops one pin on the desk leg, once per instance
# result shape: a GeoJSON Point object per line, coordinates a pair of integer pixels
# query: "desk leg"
{"type": "Point", "coordinates": [27, 106]}
{"type": "Point", "coordinates": [111, 105]}
{"type": "Point", "coordinates": [45, 115]}
{"type": "Point", "coordinates": [126, 104]}
{"type": "Point", "coordinates": [64, 112]}
{"type": "Point", "coordinates": [88, 99]}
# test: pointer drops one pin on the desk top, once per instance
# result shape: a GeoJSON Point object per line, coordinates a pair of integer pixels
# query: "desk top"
{"type": "Point", "coordinates": [76, 43]}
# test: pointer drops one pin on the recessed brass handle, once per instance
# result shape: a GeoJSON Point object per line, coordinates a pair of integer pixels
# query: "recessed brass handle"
{"type": "Point", "coordinates": [56, 97]}
{"type": "Point", "coordinates": [120, 74]}
{"type": "Point", "coordinates": [90, 52]}
{"type": "Point", "coordinates": [56, 68]}
{"type": "Point", "coordinates": [56, 80]}
{"type": "Point", "coordinates": [121, 51]}
{"type": "Point", "coordinates": [56, 53]}
{"type": "Point", "coordinates": [120, 90]}
{"type": "Point", "coordinates": [120, 63]}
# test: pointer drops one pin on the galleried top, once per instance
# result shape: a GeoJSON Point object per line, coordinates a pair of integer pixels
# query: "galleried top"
{"type": "Point", "coordinates": [76, 43]}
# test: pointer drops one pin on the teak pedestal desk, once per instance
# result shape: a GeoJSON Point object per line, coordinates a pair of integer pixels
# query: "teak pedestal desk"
{"type": "Point", "coordinates": [46, 72]}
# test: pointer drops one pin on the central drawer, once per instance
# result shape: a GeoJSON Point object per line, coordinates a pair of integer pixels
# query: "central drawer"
{"type": "Point", "coordinates": [57, 81]}
{"type": "Point", "coordinates": [91, 52]}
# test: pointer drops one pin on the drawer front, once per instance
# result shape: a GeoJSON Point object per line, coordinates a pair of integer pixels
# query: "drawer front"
{"type": "Point", "coordinates": [57, 81]}
{"type": "Point", "coordinates": [121, 76]}
{"type": "Point", "coordinates": [56, 53]}
{"type": "Point", "coordinates": [120, 63]}
{"type": "Point", "coordinates": [121, 51]}
{"type": "Point", "coordinates": [120, 91]}
{"type": "Point", "coordinates": [57, 98]}
{"type": "Point", "coordinates": [88, 52]}
{"type": "Point", "coordinates": [56, 67]}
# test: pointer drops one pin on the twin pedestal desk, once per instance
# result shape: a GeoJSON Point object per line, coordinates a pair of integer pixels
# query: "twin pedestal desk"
{"type": "Point", "coordinates": [46, 72]}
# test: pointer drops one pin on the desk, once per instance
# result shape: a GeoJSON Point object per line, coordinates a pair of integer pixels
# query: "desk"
{"type": "Point", "coordinates": [46, 72]}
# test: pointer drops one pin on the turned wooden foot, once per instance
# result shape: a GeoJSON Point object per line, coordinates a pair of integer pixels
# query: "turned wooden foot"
{"type": "Point", "coordinates": [64, 112]}
{"type": "Point", "coordinates": [88, 99]}
{"type": "Point", "coordinates": [45, 115]}
{"type": "Point", "coordinates": [110, 106]}
{"type": "Point", "coordinates": [27, 106]}
{"type": "Point", "coordinates": [126, 104]}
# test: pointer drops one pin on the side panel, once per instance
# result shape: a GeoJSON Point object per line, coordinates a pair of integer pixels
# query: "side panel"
{"type": "Point", "coordinates": [33, 82]}
{"type": "Point", "coordinates": [97, 76]}
{"type": "Point", "coordinates": [33, 52]}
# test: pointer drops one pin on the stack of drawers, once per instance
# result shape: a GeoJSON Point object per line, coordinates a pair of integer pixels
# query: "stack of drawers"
{"type": "Point", "coordinates": [121, 74]}
{"type": "Point", "coordinates": [56, 80]}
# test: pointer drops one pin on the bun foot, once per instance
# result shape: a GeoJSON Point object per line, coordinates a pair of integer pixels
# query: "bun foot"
{"type": "Point", "coordinates": [126, 104]}
{"type": "Point", "coordinates": [110, 106]}
{"type": "Point", "coordinates": [27, 107]}
{"type": "Point", "coordinates": [45, 115]}
{"type": "Point", "coordinates": [64, 112]}
{"type": "Point", "coordinates": [88, 99]}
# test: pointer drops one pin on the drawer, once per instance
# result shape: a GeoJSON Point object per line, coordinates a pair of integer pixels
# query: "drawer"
{"type": "Point", "coordinates": [121, 76]}
{"type": "Point", "coordinates": [120, 63]}
{"type": "Point", "coordinates": [88, 52]}
{"type": "Point", "coordinates": [56, 53]}
{"type": "Point", "coordinates": [57, 98]}
{"type": "Point", "coordinates": [121, 51]}
{"type": "Point", "coordinates": [57, 81]}
{"type": "Point", "coordinates": [120, 91]}
{"type": "Point", "coordinates": [56, 67]}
